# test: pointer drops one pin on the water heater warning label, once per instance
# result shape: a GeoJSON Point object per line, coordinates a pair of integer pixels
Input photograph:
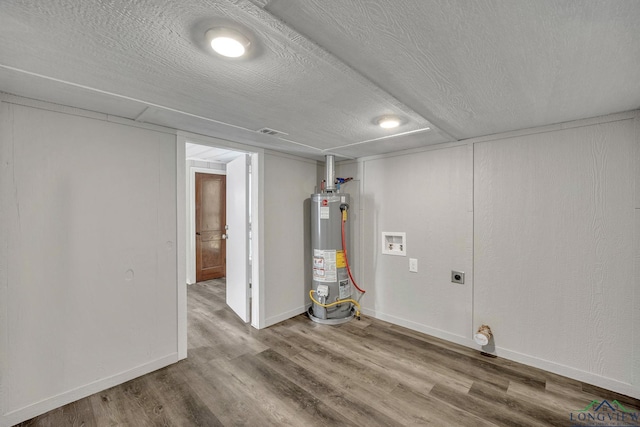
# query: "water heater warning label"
{"type": "Point", "coordinates": [324, 266]}
{"type": "Point", "coordinates": [341, 262]}
{"type": "Point", "coordinates": [345, 289]}
{"type": "Point", "coordinates": [324, 212]}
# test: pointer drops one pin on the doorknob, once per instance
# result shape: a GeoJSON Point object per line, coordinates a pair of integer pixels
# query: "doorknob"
{"type": "Point", "coordinates": [225, 236]}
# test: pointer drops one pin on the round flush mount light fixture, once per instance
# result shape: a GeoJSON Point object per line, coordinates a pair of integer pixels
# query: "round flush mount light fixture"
{"type": "Point", "coordinates": [227, 42]}
{"type": "Point", "coordinates": [389, 122]}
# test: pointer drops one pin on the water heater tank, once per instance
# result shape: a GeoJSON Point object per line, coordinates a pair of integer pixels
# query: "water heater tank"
{"type": "Point", "coordinates": [330, 276]}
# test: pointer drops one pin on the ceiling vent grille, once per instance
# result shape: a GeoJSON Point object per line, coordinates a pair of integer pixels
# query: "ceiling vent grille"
{"type": "Point", "coordinates": [273, 132]}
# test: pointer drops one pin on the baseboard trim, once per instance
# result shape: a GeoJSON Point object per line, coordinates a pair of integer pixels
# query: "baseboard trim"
{"type": "Point", "coordinates": [438, 333]}
{"type": "Point", "coordinates": [553, 367]}
{"type": "Point", "coordinates": [270, 321]}
{"type": "Point", "coordinates": [567, 371]}
{"type": "Point", "coordinates": [38, 408]}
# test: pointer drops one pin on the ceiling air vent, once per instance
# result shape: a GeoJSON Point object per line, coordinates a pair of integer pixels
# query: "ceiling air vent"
{"type": "Point", "coordinates": [273, 132]}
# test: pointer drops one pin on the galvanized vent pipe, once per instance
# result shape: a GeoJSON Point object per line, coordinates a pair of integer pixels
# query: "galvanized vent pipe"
{"type": "Point", "coordinates": [330, 186]}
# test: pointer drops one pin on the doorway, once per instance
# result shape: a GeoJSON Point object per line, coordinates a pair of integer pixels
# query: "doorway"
{"type": "Point", "coordinates": [252, 261]}
{"type": "Point", "coordinates": [234, 160]}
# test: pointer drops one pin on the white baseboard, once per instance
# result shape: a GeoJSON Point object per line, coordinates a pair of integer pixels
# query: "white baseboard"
{"type": "Point", "coordinates": [38, 408]}
{"type": "Point", "coordinates": [269, 321]}
{"type": "Point", "coordinates": [567, 371]}
{"type": "Point", "coordinates": [438, 333]}
{"type": "Point", "coordinates": [556, 368]}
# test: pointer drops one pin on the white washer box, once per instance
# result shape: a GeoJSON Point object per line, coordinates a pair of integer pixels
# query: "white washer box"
{"type": "Point", "coordinates": [394, 243]}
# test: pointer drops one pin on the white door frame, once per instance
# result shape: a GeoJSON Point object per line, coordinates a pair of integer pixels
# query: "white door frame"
{"type": "Point", "coordinates": [183, 227]}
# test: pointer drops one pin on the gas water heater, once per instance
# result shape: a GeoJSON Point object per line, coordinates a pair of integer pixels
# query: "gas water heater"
{"type": "Point", "coordinates": [332, 294]}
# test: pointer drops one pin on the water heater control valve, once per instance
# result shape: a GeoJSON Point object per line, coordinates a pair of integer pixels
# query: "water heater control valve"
{"type": "Point", "coordinates": [323, 291]}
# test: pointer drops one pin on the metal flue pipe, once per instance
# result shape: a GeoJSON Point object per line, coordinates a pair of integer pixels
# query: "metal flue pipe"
{"type": "Point", "coordinates": [330, 174]}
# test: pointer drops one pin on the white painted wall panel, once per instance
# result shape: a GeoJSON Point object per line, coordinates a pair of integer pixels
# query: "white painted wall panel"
{"type": "Point", "coordinates": [89, 260]}
{"type": "Point", "coordinates": [634, 328]}
{"type": "Point", "coordinates": [288, 184]}
{"type": "Point", "coordinates": [637, 156]}
{"type": "Point", "coordinates": [428, 196]}
{"type": "Point", "coordinates": [554, 248]}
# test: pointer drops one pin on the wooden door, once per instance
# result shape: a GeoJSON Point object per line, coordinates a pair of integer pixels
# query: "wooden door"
{"type": "Point", "coordinates": [210, 226]}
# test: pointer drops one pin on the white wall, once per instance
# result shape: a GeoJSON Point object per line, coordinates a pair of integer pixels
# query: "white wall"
{"type": "Point", "coordinates": [349, 169]}
{"type": "Point", "coordinates": [288, 183]}
{"type": "Point", "coordinates": [88, 256]}
{"type": "Point", "coordinates": [549, 218]}
{"type": "Point", "coordinates": [554, 250]}
{"type": "Point", "coordinates": [428, 196]}
{"type": "Point", "coordinates": [635, 327]}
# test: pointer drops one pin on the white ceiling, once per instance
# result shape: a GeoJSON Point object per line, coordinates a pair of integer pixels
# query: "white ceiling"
{"type": "Point", "coordinates": [210, 154]}
{"type": "Point", "coordinates": [323, 71]}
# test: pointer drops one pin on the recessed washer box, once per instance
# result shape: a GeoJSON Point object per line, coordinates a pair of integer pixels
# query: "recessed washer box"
{"type": "Point", "coordinates": [394, 243]}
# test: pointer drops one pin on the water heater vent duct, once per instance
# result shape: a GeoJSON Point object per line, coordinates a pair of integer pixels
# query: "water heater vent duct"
{"type": "Point", "coordinates": [331, 174]}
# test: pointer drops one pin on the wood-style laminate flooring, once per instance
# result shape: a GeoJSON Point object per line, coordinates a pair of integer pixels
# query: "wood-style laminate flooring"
{"type": "Point", "coordinates": [299, 373]}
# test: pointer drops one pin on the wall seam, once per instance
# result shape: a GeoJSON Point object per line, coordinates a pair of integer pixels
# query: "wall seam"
{"type": "Point", "coordinates": [473, 237]}
{"type": "Point", "coordinates": [4, 270]}
{"type": "Point", "coordinates": [635, 316]}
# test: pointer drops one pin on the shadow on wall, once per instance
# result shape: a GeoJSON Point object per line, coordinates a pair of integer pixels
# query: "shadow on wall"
{"type": "Point", "coordinates": [369, 220]}
{"type": "Point", "coordinates": [490, 348]}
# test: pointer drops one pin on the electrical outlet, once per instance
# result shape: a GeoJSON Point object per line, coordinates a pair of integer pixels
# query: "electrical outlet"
{"type": "Point", "coordinates": [457, 277]}
{"type": "Point", "coordinates": [413, 265]}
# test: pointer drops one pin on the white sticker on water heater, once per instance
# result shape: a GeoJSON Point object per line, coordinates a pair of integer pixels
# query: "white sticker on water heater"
{"type": "Point", "coordinates": [324, 265]}
{"type": "Point", "coordinates": [324, 212]}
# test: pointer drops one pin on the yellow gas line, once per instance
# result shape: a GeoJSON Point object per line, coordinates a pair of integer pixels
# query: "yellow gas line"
{"type": "Point", "coordinates": [340, 301]}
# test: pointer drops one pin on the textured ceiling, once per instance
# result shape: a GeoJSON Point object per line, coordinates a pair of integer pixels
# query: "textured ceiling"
{"type": "Point", "coordinates": [481, 67]}
{"type": "Point", "coordinates": [210, 154]}
{"type": "Point", "coordinates": [323, 71]}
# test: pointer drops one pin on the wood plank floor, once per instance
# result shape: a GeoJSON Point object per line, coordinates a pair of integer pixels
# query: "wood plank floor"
{"type": "Point", "coordinates": [299, 373]}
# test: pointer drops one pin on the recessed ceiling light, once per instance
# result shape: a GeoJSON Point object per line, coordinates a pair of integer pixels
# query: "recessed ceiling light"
{"type": "Point", "coordinates": [227, 42]}
{"type": "Point", "coordinates": [389, 122]}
